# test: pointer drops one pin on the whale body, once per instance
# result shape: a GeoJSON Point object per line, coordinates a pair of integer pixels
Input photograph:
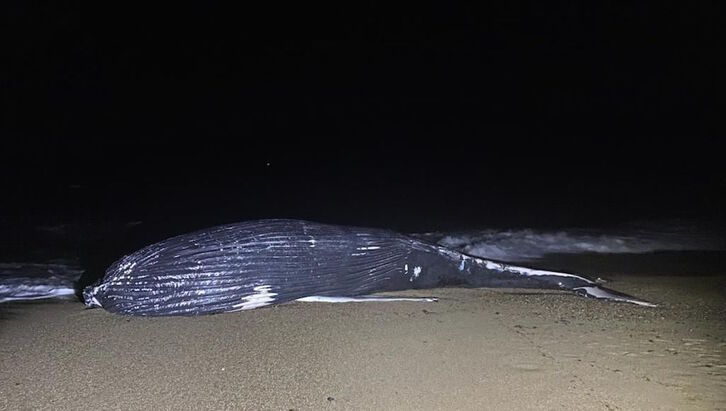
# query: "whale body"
{"type": "Point", "coordinates": [259, 263]}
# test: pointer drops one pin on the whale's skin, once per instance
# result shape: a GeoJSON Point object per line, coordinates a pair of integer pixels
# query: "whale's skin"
{"type": "Point", "coordinates": [259, 263]}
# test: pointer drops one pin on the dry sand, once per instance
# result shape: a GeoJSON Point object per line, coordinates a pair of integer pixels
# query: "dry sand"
{"type": "Point", "coordinates": [474, 349]}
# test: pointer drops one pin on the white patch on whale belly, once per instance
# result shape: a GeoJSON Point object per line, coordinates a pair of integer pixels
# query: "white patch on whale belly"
{"type": "Point", "coordinates": [261, 298]}
{"type": "Point", "coordinates": [373, 247]}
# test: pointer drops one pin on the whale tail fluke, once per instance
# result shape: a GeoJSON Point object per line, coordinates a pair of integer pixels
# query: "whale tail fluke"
{"type": "Point", "coordinates": [498, 274]}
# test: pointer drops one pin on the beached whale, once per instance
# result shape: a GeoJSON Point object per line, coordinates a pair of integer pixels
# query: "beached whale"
{"type": "Point", "coordinates": [258, 263]}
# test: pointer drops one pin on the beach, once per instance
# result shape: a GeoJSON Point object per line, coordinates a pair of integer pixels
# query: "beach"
{"type": "Point", "coordinates": [473, 349]}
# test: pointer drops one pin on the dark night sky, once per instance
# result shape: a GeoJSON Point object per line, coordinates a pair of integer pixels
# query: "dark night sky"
{"type": "Point", "coordinates": [510, 113]}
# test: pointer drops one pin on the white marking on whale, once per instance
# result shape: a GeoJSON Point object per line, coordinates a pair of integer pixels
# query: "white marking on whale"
{"type": "Point", "coordinates": [416, 272]}
{"type": "Point", "coordinates": [261, 298]}
{"type": "Point", "coordinates": [525, 271]}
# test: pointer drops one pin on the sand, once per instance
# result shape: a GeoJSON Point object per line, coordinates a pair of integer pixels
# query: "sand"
{"type": "Point", "coordinates": [474, 349]}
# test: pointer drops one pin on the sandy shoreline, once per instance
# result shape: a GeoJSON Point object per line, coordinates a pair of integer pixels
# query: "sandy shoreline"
{"type": "Point", "coordinates": [474, 349]}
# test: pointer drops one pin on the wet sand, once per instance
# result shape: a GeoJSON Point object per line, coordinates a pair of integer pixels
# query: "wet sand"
{"type": "Point", "coordinates": [474, 349]}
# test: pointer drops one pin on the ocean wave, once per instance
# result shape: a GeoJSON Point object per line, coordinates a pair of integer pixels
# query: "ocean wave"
{"type": "Point", "coordinates": [530, 244]}
{"type": "Point", "coordinates": [33, 281]}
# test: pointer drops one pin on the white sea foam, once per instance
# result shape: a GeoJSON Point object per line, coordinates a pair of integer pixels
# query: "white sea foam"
{"type": "Point", "coordinates": [22, 292]}
{"type": "Point", "coordinates": [530, 244]}
{"type": "Point", "coordinates": [33, 281]}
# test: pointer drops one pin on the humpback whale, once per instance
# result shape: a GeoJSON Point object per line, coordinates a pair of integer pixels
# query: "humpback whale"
{"type": "Point", "coordinates": [258, 263]}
